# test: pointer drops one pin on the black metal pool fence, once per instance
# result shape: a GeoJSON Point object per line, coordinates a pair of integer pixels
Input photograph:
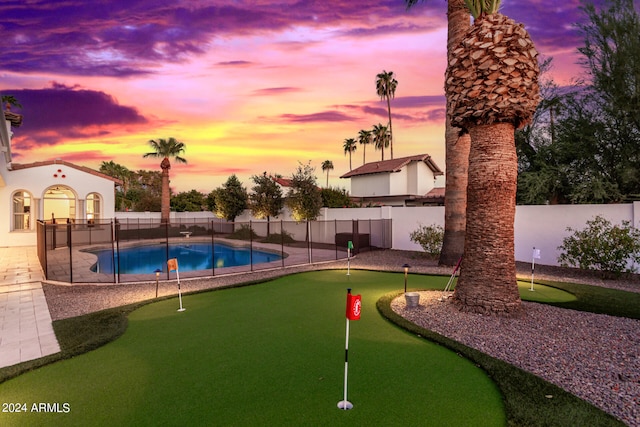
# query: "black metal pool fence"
{"type": "Point", "coordinates": [67, 250]}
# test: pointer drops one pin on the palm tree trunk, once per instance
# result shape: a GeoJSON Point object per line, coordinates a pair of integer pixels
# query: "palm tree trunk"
{"type": "Point", "coordinates": [455, 198]}
{"type": "Point", "coordinates": [491, 206]}
{"type": "Point", "coordinates": [166, 198]}
{"type": "Point", "coordinates": [457, 154]}
{"type": "Point", "coordinates": [390, 128]}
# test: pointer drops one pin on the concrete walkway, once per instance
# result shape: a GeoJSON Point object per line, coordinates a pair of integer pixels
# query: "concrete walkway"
{"type": "Point", "coordinates": [26, 332]}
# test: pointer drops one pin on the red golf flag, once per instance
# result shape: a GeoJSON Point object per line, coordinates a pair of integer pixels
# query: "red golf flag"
{"type": "Point", "coordinates": [172, 264]}
{"type": "Point", "coordinates": [354, 306]}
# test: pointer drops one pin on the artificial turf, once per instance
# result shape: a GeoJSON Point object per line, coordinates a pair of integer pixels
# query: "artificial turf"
{"type": "Point", "coordinates": [271, 354]}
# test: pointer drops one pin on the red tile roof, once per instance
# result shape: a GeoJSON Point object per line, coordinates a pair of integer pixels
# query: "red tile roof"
{"type": "Point", "coordinates": [16, 166]}
{"type": "Point", "coordinates": [394, 165]}
{"type": "Point", "coordinates": [435, 193]}
{"type": "Point", "coordinates": [284, 182]}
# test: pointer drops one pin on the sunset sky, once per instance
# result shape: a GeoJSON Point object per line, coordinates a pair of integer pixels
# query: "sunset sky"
{"type": "Point", "coordinates": [248, 85]}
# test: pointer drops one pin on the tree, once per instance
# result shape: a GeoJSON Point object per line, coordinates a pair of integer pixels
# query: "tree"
{"type": "Point", "coordinates": [231, 199]}
{"type": "Point", "coordinates": [120, 172]}
{"type": "Point", "coordinates": [327, 165]}
{"type": "Point", "coordinates": [10, 100]}
{"type": "Point", "coordinates": [386, 85]}
{"type": "Point", "coordinates": [188, 201]}
{"type": "Point", "coordinates": [380, 137]}
{"type": "Point", "coordinates": [164, 149]}
{"type": "Point", "coordinates": [349, 147]}
{"type": "Point", "coordinates": [210, 200]}
{"type": "Point", "coordinates": [364, 138]}
{"type": "Point", "coordinates": [457, 145]}
{"type": "Point", "coordinates": [145, 193]}
{"type": "Point", "coordinates": [304, 197]}
{"type": "Point", "coordinates": [266, 198]}
{"type": "Point", "coordinates": [335, 198]}
{"type": "Point", "coordinates": [582, 147]}
{"type": "Point", "coordinates": [487, 281]}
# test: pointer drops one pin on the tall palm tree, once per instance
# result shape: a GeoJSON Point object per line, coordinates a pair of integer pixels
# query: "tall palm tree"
{"type": "Point", "coordinates": [166, 148]}
{"type": "Point", "coordinates": [380, 137]}
{"type": "Point", "coordinates": [327, 165]}
{"type": "Point", "coordinates": [349, 147]}
{"type": "Point", "coordinates": [364, 137]}
{"type": "Point", "coordinates": [503, 95]}
{"type": "Point", "coordinates": [11, 101]}
{"type": "Point", "coordinates": [386, 85]}
{"type": "Point", "coordinates": [457, 145]}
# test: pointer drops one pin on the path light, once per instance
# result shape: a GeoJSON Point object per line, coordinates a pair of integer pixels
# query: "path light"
{"type": "Point", "coordinates": [406, 272]}
{"type": "Point", "coordinates": [158, 271]}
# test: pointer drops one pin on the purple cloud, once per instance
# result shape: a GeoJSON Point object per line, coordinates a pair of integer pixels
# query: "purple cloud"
{"type": "Point", "coordinates": [324, 116]}
{"type": "Point", "coordinates": [235, 64]}
{"type": "Point", "coordinates": [276, 91]}
{"type": "Point", "coordinates": [129, 37]}
{"type": "Point", "coordinates": [63, 112]}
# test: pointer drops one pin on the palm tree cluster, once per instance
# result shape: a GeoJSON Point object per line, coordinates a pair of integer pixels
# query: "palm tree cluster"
{"type": "Point", "coordinates": [386, 85]}
{"type": "Point", "coordinates": [381, 136]}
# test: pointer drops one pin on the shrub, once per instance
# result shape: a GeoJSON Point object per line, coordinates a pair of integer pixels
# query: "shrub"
{"type": "Point", "coordinates": [610, 249]}
{"type": "Point", "coordinates": [279, 238]}
{"type": "Point", "coordinates": [430, 238]}
{"type": "Point", "coordinates": [243, 233]}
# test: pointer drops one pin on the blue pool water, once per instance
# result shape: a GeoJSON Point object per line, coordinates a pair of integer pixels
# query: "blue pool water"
{"type": "Point", "coordinates": [146, 259]}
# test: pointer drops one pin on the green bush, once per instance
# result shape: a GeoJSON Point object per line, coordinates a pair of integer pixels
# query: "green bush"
{"type": "Point", "coordinates": [243, 233]}
{"type": "Point", "coordinates": [279, 238]}
{"type": "Point", "coordinates": [610, 249]}
{"type": "Point", "coordinates": [430, 238]}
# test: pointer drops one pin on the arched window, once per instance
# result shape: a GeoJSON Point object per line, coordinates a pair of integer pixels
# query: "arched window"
{"type": "Point", "coordinates": [21, 210]}
{"type": "Point", "coordinates": [93, 207]}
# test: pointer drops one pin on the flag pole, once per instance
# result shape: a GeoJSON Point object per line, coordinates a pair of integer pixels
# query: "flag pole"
{"type": "Point", "coordinates": [179, 291]}
{"type": "Point", "coordinates": [345, 404]}
{"type": "Point", "coordinates": [172, 264]}
{"type": "Point", "coordinates": [349, 247]}
{"type": "Point", "coordinates": [536, 254]}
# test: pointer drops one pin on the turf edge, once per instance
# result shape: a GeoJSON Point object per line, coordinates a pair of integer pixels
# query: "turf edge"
{"type": "Point", "coordinates": [524, 394]}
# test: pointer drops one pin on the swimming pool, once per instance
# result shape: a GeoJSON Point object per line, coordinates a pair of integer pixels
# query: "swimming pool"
{"type": "Point", "coordinates": [146, 259]}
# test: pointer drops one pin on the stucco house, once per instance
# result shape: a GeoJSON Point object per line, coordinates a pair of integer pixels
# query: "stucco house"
{"type": "Point", "coordinates": [53, 189]}
{"type": "Point", "coordinates": [405, 181]}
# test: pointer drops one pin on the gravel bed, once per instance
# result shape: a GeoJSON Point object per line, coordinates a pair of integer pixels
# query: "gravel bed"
{"type": "Point", "coordinates": [594, 356]}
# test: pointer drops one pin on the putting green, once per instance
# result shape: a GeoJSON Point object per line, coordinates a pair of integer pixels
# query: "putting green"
{"type": "Point", "coordinates": [270, 354]}
{"type": "Point", "coordinates": [542, 293]}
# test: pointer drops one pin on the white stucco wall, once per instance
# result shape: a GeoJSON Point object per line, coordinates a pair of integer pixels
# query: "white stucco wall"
{"type": "Point", "coordinates": [370, 185]}
{"type": "Point", "coordinates": [36, 181]}
{"type": "Point", "coordinates": [543, 227]}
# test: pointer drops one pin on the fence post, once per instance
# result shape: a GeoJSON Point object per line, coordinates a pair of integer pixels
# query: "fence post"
{"type": "Point", "coordinates": [282, 242]}
{"type": "Point", "coordinates": [213, 249]}
{"type": "Point", "coordinates": [356, 236]}
{"type": "Point", "coordinates": [335, 233]}
{"type": "Point", "coordinates": [309, 241]}
{"type": "Point", "coordinates": [70, 252]}
{"type": "Point", "coordinates": [250, 245]}
{"type": "Point", "coordinates": [116, 253]}
{"type": "Point", "coordinates": [166, 242]}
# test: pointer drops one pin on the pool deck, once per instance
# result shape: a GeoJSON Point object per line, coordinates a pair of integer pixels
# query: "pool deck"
{"type": "Point", "coordinates": [26, 330]}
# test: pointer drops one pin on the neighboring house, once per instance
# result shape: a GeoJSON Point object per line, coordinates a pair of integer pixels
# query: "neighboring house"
{"type": "Point", "coordinates": [406, 181]}
{"type": "Point", "coordinates": [45, 190]}
{"type": "Point", "coordinates": [284, 184]}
